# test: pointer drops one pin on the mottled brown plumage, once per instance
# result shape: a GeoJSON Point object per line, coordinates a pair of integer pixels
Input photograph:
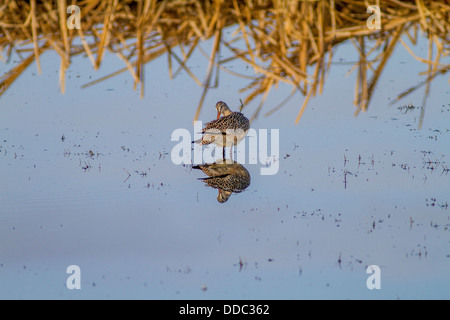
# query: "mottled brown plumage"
{"type": "Point", "coordinates": [226, 176]}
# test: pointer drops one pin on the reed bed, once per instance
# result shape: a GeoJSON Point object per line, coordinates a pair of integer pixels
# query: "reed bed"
{"type": "Point", "coordinates": [283, 41]}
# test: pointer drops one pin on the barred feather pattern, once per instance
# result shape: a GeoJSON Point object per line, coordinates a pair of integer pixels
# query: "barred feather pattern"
{"type": "Point", "coordinates": [233, 123]}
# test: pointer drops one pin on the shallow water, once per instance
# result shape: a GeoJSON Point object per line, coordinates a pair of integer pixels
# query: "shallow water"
{"type": "Point", "coordinates": [88, 180]}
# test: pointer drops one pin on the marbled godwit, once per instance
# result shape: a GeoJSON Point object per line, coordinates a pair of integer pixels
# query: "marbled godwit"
{"type": "Point", "coordinates": [225, 131]}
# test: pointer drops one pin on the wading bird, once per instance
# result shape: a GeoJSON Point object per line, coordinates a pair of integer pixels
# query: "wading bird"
{"type": "Point", "coordinates": [225, 131]}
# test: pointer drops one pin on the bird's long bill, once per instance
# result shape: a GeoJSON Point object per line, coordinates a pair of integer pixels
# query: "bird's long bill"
{"type": "Point", "coordinates": [218, 114]}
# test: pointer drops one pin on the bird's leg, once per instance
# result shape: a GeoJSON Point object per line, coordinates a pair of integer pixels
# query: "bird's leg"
{"type": "Point", "coordinates": [224, 137]}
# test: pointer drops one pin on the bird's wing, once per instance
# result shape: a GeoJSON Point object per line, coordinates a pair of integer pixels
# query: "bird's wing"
{"type": "Point", "coordinates": [215, 124]}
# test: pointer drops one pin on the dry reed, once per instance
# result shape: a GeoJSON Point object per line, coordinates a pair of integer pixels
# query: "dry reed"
{"type": "Point", "coordinates": [284, 41]}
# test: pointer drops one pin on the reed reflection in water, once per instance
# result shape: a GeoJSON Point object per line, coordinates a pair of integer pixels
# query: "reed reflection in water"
{"type": "Point", "coordinates": [289, 42]}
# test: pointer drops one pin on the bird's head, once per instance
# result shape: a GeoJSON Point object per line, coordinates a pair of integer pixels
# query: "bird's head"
{"type": "Point", "coordinates": [223, 196]}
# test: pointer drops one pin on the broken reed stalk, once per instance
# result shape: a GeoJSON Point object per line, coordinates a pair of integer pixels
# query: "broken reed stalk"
{"type": "Point", "coordinates": [280, 40]}
{"type": "Point", "coordinates": [34, 33]}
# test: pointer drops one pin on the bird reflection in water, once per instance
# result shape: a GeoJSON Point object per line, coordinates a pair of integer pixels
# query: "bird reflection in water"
{"type": "Point", "coordinates": [227, 176]}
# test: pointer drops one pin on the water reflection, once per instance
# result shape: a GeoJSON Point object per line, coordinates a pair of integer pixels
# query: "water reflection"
{"type": "Point", "coordinates": [282, 41]}
{"type": "Point", "coordinates": [227, 176]}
